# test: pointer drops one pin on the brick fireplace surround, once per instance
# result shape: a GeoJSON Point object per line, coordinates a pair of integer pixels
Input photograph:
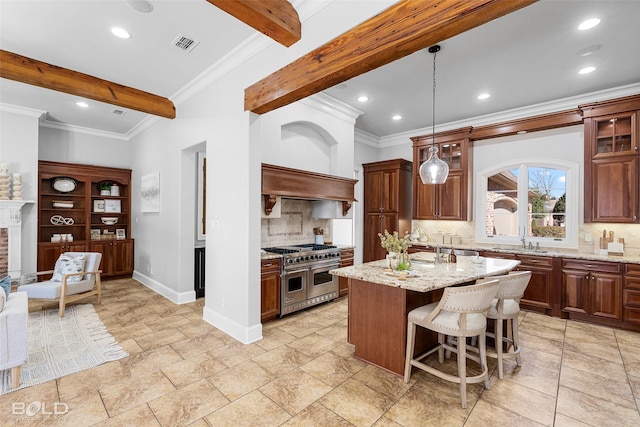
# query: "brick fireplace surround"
{"type": "Point", "coordinates": [10, 237]}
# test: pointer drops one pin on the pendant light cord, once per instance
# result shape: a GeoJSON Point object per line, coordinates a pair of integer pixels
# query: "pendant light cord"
{"type": "Point", "coordinates": [433, 110]}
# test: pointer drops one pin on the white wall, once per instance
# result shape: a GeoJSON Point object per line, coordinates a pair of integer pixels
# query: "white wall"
{"type": "Point", "coordinates": [59, 145]}
{"type": "Point", "coordinates": [19, 149]}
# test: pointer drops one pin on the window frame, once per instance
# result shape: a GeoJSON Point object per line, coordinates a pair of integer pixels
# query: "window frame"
{"type": "Point", "coordinates": [570, 241]}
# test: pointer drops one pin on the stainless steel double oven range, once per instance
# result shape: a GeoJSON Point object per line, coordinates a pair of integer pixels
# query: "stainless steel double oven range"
{"type": "Point", "coordinates": [305, 278]}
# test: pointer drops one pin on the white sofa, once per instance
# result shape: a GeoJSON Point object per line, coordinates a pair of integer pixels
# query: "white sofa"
{"type": "Point", "coordinates": [13, 335]}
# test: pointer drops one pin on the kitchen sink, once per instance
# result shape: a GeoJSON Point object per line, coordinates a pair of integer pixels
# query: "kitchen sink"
{"type": "Point", "coordinates": [521, 251]}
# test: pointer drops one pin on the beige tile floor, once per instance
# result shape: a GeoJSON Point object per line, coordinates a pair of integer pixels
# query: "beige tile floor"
{"type": "Point", "coordinates": [183, 372]}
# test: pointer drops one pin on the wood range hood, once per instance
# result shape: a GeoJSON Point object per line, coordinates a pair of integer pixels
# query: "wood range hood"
{"type": "Point", "coordinates": [299, 184]}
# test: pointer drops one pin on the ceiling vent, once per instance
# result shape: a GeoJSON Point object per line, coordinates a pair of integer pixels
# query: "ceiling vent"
{"type": "Point", "coordinates": [118, 112]}
{"type": "Point", "coordinates": [184, 43]}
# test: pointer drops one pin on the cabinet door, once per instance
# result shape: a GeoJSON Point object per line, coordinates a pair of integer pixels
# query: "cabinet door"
{"type": "Point", "coordinates": [122, 257]}
{"type": "Point", "coordinates": [425, 200]}
{"type": "Point", "coordinates": [450, 198]}
{"type": "Point", "coordinates": [374, 224]}
{"type": "Point", "coordinates": [606, 295]}
{"type": "Point", "coordinates": [48, 255]}
{"type": "Point", "coordinates": [538, 294]}
{"type": "Point", "coordinates": [575, 291]}
{"type": "Point", "coordinates": [270, 296]}
{"type": "Point", "coordinates": [614, 189]}
{"type": "Point", "coordinates": [381, 191]}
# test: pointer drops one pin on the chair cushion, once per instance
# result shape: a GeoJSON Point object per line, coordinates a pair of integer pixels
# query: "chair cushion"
{"type": "Point", "coordinates": [445, 321]}
{"type": "Point", "coordinates": [3, 299]}
{"type": "Point", "coordinates": [66, 265]}
{"type": "Point", "coordinates": [51, 289]}
{"type": "Point", "coordinates": [5, 284]}
{"type": "Point", "coordinates": [509, 308]}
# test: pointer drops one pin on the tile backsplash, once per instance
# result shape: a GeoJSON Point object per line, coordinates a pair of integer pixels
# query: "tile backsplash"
{"type": "Point", "coordinates": [294, 226]}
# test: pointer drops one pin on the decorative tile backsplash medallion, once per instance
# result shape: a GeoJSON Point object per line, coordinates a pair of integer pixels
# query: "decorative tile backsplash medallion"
{"type": "Point", "coordinates": [295, 225]}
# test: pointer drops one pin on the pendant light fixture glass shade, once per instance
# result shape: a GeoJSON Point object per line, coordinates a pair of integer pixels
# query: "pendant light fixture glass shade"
{"type": "Point", "coordinates": [434, 170]}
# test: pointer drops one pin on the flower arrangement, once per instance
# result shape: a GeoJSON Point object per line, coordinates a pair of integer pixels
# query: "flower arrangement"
{"type": "Point", "coordinates": [393, 242]}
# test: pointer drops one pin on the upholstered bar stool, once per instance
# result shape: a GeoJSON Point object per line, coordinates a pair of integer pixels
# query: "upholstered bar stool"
{"type": "Point", "coordinates": [506, 307]}
{"type": "Point", "coordinates": [460, 313]}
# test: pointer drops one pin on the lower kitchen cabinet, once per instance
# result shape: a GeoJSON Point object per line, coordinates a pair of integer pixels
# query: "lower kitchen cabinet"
{"type": "Point", "coordinates": [269, 289]}
{"type": "Point", "coordinates": [592, 290]}
{"type": "Point", "coordinates": [631, 296]}
{"type": "Point", "coordinates": [346, 260]}
{"type": "Point", "coordinates": [48, 253]}
{"type": "Point", "coordinates": [539, 293]}
{"type": "Point", "coordinates": [117, 256]}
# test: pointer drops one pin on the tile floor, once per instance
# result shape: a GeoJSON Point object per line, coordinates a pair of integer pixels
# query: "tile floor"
{"type": "Point", "coordinates": [183, 372]}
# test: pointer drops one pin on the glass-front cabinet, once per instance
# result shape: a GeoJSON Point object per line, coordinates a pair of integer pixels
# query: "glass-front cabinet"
{"type": "Point", "coordinates": [612, 161]}
{"type": "Point", "coordinates": [448, 201]}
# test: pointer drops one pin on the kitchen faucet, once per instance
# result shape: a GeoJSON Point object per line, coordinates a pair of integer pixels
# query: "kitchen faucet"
{"type": "Point", "coordinates": [524, 242]}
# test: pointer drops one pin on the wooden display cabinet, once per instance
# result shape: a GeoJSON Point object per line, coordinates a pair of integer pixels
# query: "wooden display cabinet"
{"type": "Point", "coordinates": [612, 161]}
{"type": "Point", "coordinates": [448, 201]}
{"type": "Point", "coordinates": [387, 203]}
{"type": "Point", "coordinates": [270, 289]}
{"type": "Point", "coordinates": [78, 209]}
{"type": "Point", "coordinates": [631, 296]}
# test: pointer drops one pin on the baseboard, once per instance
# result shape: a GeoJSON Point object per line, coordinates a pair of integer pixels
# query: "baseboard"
{"type": "Point", "coordinates": [244, 334]}
{"type": "Point", "coordinates": [170, 294]}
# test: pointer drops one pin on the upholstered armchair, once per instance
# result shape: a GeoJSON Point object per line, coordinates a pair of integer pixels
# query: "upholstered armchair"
{"type": "Point", "coordinates": [76, 276]}
{"type": "Point", "coordinates": [14, 318]}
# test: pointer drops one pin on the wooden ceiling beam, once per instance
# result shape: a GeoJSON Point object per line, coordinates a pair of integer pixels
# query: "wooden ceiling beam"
{"type": "Point", "coordinates": [26, 70]}
{"type": "Point", "coordinates": [405, 27]}
{"type": "Point", "coordinates": [276, 19]}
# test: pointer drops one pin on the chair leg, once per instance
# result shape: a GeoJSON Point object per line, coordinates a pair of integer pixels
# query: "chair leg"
{"type": "Point", "coordinates": [462, 372]}
{"type": "Point", "coordinates": [411, 335]}
{"type": "Point", "coordinates": [61, 306]}
{"type": "Point", "coordinates": [441, 340]}
{"type": "Point", "coordinates": [498, 343]}
{"type": "Point", "coordinates": [482, 347]}
{"type": "Point", "coordinates": [99, 287]}
{"type": "Point", "coordinates": [516, 342]}
{"type": "Point", "coordinates": [15, 377]}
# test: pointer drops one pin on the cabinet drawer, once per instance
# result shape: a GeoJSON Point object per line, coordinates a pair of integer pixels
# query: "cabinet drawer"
{"type": "Point", "coordinates": [632, 270]}
{"type": "Point", "coordinates": [602, 267]}
{"type": "Point", "coordinates": [632, 315]}
{"type": "Point", "coordinates": [631, 282]}
{"type": "Point", "coordinates": [346, 254]}
{"type": "Point", "coordinates": [535, 261]}
{"type": "Point", "coordinates": [501, 255]}
{"type": "Point", "coordinates": [270, 265]}
{"type": "Point", "coordinates": [631, 298]}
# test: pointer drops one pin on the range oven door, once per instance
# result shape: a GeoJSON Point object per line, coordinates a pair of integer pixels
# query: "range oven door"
{"type": "Point", "coordinates": [294, 289]}
{"type": "Point", "coordinates": [321, 282]}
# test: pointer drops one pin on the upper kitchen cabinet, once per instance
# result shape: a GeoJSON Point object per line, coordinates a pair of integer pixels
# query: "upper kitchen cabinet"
{"type": "Point", "coordinates": [612, 161]}
{"type": "Point", "coordinates": [448, 201]}
{"type": "Point", "coordinates": [85, 208]}
{"type": "Point", "coordinates": [387, 203]}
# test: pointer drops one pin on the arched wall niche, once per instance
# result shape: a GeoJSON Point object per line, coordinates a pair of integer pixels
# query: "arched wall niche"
{"type": "Point", "coordinates": [308, 146]}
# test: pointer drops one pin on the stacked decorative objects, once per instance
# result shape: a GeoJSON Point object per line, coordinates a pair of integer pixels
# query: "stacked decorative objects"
{"type": "Point", "coordinates": [4, 181]}
{"type": "Point", "coordinates": [17, 186]}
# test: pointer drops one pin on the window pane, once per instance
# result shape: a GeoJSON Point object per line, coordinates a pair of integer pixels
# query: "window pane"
{"type": "Point", "coordinates": [502, 203]}
{"type": "Point", "coordinates": [547, 197]}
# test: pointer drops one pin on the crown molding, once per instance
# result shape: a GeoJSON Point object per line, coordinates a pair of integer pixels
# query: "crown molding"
{"type": "Point", "coordinates": [23, 111]}
{"type": "Point", "coordinates": [332, 106]}
{"type": "Point", "coordinates": [84, 130]}
{"type": "Point", "coordinates": [366, 138]}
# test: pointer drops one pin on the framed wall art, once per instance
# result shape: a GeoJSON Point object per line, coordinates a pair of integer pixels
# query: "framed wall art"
{"type": "Point", "coordinates": [150, 193]}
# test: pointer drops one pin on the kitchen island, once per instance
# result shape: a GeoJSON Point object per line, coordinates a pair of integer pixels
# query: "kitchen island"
{"type": "Point", "coordinates": [379, 302]}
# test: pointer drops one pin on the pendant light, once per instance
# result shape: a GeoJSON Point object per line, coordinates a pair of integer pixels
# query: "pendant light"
{"type": "Point", "coordinates": [434, 170]}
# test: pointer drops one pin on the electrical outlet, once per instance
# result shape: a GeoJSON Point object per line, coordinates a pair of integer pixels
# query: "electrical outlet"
{"type": "Point", "coordinates": [587, 237]}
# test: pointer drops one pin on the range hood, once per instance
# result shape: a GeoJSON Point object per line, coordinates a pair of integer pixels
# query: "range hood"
{"type": "Point", "coordinates": [278, 181]}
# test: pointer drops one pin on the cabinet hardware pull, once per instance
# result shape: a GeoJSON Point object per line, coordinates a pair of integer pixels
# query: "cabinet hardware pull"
{"type": "Point", "coordinates": [268, 265]}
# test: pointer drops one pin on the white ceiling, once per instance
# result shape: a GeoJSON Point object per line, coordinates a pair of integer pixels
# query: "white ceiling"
{"type": "Point", "coordinates": [527, 57]}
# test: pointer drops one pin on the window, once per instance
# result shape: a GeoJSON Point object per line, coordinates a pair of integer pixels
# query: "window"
{"type": "Point", "coordinates": [536, 200]}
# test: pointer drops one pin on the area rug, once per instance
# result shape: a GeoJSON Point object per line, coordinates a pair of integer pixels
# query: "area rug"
{"type": "Point", "coordinates": [60, 346]}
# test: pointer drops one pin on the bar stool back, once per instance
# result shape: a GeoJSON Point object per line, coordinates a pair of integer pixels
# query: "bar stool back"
{"type": "Point", "coordinates": [461, 312]}
{"type": "Point", "coordinates": [506, 306]}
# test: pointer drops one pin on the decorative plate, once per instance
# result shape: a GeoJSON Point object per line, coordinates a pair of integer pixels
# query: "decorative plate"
{"type": "Point", "coordinates": [64, 184]}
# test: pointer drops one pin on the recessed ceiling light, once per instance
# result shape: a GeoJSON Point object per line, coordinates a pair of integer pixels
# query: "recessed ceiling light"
{"type": "Point", "coordinates": [120, 32]}
{"type": "Point", "coordinates": [483, 96]}
{"type": "Point", "coordinates": [589, 23]}
{"type": "Point", "coordinates": [82, 104]}
{"type": "Point", "coordinates": [363, 98]}
{"type": "Point", "coordinates": [587, 70]}
{"type": "Point", "coordinates": [396, 117]}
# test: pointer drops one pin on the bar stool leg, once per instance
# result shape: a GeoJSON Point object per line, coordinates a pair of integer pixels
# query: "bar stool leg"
{"type": "Point", "coordinates": [482, 345]}
{"type": "Point", "coordinates": [411, 338]}
{"type": "Point", "coordinates": [462, 372]}
{"type": "Point", "coordinates": [516, 341]}
{"type": "Point", "coordinates": [498, 344]}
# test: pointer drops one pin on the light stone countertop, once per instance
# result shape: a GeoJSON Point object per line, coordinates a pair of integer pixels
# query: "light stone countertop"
{"type": "Point", "coordinates": [427, 276]}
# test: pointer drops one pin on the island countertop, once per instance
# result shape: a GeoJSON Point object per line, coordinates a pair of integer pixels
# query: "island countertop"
{"type": "Point", "coordinates": [425, 274]}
